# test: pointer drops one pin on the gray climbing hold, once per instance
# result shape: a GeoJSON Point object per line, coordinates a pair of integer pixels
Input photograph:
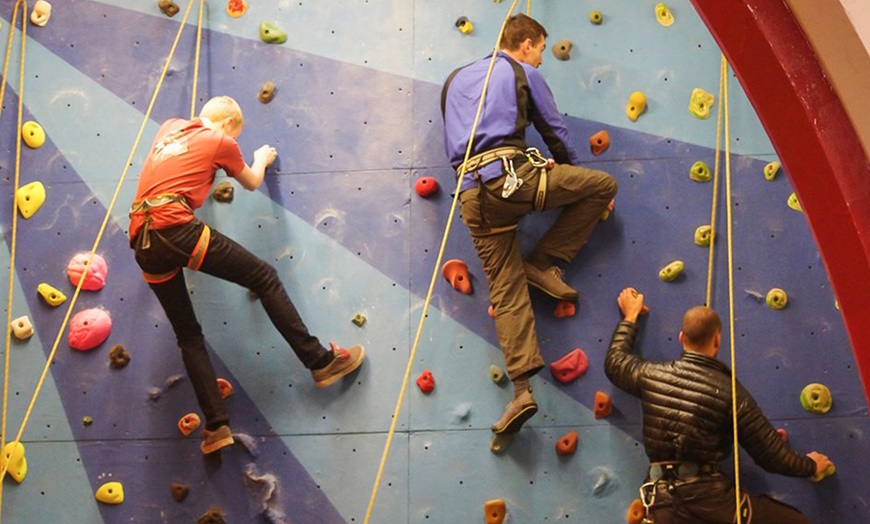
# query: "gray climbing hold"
{"type": "Point", "coordinates": [562, 49]}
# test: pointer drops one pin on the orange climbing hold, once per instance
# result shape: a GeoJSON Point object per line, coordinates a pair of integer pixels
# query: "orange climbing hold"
{"type": "Point", "coordinates": [565, 309]}
{"type": "Point", "coordinates": [236, 8]}
{"type": "Point", "coordinates": [225, 387]}
{"type": "Point", "coordinates": [603, 404]}
{"type": "Point", "coordinates": [426, 382]}
{"type": "Point", "coordinates": [426, 186]}
{"type": "Point", "coordinates": [635, 512]}
{"type": "Point", "coordinates": [494, 511]}
{"type": "Point", "coordinates": [456, 272]}
{"type": "Point", "coordinates": [490, 311]}
{"type": "Point", "coordinates": [599, 142]}
{"type": "Point", "coordinates": [570, 367]}
{"type": "Point", "coordinates": [188, 424]}
{"type": "Point", "coordinates": [567, 443]}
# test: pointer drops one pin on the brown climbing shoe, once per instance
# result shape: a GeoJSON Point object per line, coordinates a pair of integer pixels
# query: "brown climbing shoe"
{"type": "Point", "coordinates": [216, 440]}
{"type": "Point", "coordinates": [551, 281]}
{"type": "Point", "coordinates": [344, 363]}
{"type": "Point", "coordinates": [517, 412]}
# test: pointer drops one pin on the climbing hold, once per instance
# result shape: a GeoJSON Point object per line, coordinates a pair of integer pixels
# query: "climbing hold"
{"type": "Point", "coordinates": [570, 367]}
{"type": "Point", "coordinates": [596, 17]}
{"type": "Point", "coordinates": [212, 516]}
{"type": "Point", "coordinates": [359, 319]}
{"type": "Point", "coordinates": [180, 491]}
{"type": "Point", "coordinates": [562, 49]}
{"type": "Point", "coordinates": [794, 203]}
{"type": "Point", "coordinates": [776, 298]}
{"type": "Point", "coordinates": [456, 272]}
{"type": "Point", "coordinates": [816, 398]}
{"type": "Point", "coordinates": [97, 272]}
{"type": "Point", "coordinates": [603, 404]}
{"type": "Point", "coordinates": [604, 215]}
{"type": "Point", "coordinates": [87, 421]}
{"type": "Point", "coordinates": [494, 511]}
{"type": "Point", "coordinates": [22, 328]}
{"type": "Point", "coordinates": [496, 374]}
{"type": "Point", "coordinates": [30, 198]}
{"type": "Point", "coordinates": [464, 25]}
{"type": "Point", "coordinates": [236, 8]}
{"type": "Point", "coordinates": [490, 311]}
{"type": "Point", "coordinates": [118, 357]}
{"type": "Point", "coordinates": [267, 92]}
{"type": "Point", "coordinates": [111, 493]}
{"type": "Point", "coordinates": [700, 172]}
{"type": "Point", "coordinates": [564, 309]}
{"type": "Point", "coordinates": [599, 142]}
{"type": "Point", "coordinates": [426, 186]}
{"type": "Point", "coordinates": [783, 434]}
{"type": "Point", "coordinates": [33, 134]}
{"type": "Point", "coordinates": [14, 461]}
{"type": "Point", "coordinates": [426, 382]}
{"type": "Point", "coordinates": [224, 192]}
{"type": "Point", "coordinates": [89, 328]}
{"type": "Point", "coordinates": [168, 7]}
{"type": "Point", "coordinates": [51, 295]}
{"type": "Point", "coordinates": [771, 170]}
{"type": "Point", "coordinates": [41, 13]}
{"type": "Point", "coordinates": [830, 470]}
{"type": "Point", "coordinates": [703, 235]}
{"type": "Point", "coordinates": [636, 105]}
{"type": "Point", "coordinates": [670, 272]}
{"type": "Point", "coordinates": [700, 103]}
{"type": "Point", "coordinates": [567, 443]}
{"type": "Point", "coordinates": [500, 443]}
{"type": "Point", "coordinates": [271, 34]}
{"type": "Point", "coordinates": [664, 15]}
{"type": "Point", "coordinates": [225, 387]}
{"type": "Point", "coordinates": [188, 424]}
{"type": "Point", "coordinates": [635, 513]}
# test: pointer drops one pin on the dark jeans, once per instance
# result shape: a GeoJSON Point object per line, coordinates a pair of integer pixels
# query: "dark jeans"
{"type": "Point", "coordinates": [170, 248]}
{"type": "Point", "coordinates": [719, 509]}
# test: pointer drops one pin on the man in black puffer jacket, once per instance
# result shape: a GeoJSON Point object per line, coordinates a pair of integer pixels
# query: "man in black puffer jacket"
{"type": "Point", "coordinates": [687, 427]}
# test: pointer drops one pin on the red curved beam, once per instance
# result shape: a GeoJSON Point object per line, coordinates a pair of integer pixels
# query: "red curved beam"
{"type": "Point", "coordinates": [815, 140]}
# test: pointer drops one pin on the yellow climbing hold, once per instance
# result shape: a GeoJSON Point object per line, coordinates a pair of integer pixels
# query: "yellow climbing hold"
{"type": "Point", "coordinates": [636, 105]}
{"type": "Point", "coordinates": [596, 17]}
{"type": "Point", "coordinates": [111, 493]}
{"type": "Point", "coordinates": [830, 470]}
{"type": "Point", "coordinates": [700, 172]}
{"type": "Point", "coordinates": [664, 15]}
{"type": "Point", "coordinates": [703, 235]}
{"type": "Point", "coordinates": [794, 203]}
{"type": "Point", "coordinates": [30, 198]}
{"type": "Point", "coordinates": [670, 272]}
{"type": "Point", "coordinates": [33, 134]}
{"type": "Point", "coordinates": [41, 13]}
{"type": "Point", "coordinates": [771, 170]}
{"type": "Point", "coordinates": [776, 298]}
{"type": "Point", "coordinates": [14, 461]}
{"type": "Point", "coordinates": [51, 295]}
{"type": "Point", "coordinates": [464, 25]}
{"type": "Point", "coordinates": [700, 103]}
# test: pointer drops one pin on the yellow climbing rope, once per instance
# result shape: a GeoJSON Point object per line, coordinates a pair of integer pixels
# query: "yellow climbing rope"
{"type": "Point", "coordinates": [435, 271]}
{"type": "Point", "coordinates": [22, 4]}
{"type": "Point", "coordinates": [105, 222]}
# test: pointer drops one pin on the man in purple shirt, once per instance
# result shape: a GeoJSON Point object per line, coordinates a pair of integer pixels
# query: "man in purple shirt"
{"type": "Point", "coordinates": [503, 181]}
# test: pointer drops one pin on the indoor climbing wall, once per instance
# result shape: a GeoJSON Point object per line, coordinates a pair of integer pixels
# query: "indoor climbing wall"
{"type": "Point", "coordinates": [355, 118]}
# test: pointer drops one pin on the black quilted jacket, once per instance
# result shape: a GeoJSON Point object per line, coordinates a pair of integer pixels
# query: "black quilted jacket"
{"type": "Point", "coordinates": [687, 409]}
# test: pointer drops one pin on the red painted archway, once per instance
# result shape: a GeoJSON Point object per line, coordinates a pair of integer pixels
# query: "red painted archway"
{"type": "Point", "coordinates": [815, 141]}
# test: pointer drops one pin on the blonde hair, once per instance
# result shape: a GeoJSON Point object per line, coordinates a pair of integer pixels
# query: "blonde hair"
{"type": "Point", "coordinates": [222, 107]}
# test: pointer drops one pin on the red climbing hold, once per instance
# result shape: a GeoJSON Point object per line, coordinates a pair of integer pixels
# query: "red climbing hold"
{"type": "Point", "coordinates": [456, 272]}
{"type": "Point", "coordinates": [570, 367]}
{"type": "Point", "coordinates": [599, 142]}
{"type": "Point", "coordinates": [426, 186]}
{"type": "Point", "coordinates": [603, 404]}
{"type": "Point", "coordinates": [783, 434]}
{"type": "Point", "coordinates": [225, 387]}
{"type": "Point", "coordinates": [426, 382]}
{"type": "Point", "coordinates": [567, 444]}
{"type": "Point", "coordinates": [564, 309]}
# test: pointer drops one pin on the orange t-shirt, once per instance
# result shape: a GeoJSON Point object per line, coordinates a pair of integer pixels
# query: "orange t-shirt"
{"type": "Point", "coordinates": [183, 161]}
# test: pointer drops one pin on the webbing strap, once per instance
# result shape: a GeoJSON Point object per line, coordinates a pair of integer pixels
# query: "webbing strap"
{"type": "Point", "coordinates": [487, 157]}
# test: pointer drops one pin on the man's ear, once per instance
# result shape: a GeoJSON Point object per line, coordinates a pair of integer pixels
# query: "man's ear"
{"type": "Point", "coordinates": [680, 338]}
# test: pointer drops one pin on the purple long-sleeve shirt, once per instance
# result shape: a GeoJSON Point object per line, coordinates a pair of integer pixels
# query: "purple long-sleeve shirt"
{"type": "Point", "coordinates": [517, 96]}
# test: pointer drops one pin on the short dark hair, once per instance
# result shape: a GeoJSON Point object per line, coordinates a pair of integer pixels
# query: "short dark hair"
{"type": "Point", "coordinates": [518, 28]}
{"type": "Point", "coordinates": [700, 325]}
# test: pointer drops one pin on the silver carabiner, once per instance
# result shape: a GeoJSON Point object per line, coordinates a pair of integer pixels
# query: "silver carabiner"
{"type": "Point", "coordinates": [511, 181]}
{"type": "Point", "coordinates": [648, 499]}
{"type": "Point", "coordinates": [537, 159]}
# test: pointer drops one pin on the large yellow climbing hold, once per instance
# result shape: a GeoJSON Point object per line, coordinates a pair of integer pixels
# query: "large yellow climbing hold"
{"type": "Point", "coordinates": [51, 295]}
{"type": "Point", "coordinates": [771, 170]}
{"type": "Point", "coordinates": [664, 15]}
{"type": "Point", "coordinates": [700, 103]}
{"type": "Point", "coordinates": [700, 172]}
{"type": "Point", "coordinates": [670, 272]}
{"type": "Point", "coordinates": [794, 203]}
{"type": "Point", "coordinates": [14, 461]}
{"type": "Point", "coordinates": [111, 493]}
{"type": "Point", "coordinates": [636, 105]}
{"type": "Point", "coordinates": [30, 198]}
{"type": "Point", "coordinates": [32, 134]}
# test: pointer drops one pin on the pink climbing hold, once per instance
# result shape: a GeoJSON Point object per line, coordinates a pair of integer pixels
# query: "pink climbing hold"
{"type": "Point", "coordinates": [783, 434]}
{"type": "Point", "coordinates": [89, 328]}
{"type": "Point", "coordinates": [565, 309]}
{"type": "Point", "coordinates": [456, 272]}
{"type": "Point", "coordinates": [570, 367]}
{"type": "Point", "coordinates": [96, 277]}
{"type": "Point", "coordinates": [426, 186]}
{"type": "Point", "coordinates": [426, 382]}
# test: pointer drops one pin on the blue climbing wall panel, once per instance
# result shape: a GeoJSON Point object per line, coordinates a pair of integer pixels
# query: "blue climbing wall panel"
{"type": "Point", "coordinates": [356, 122]}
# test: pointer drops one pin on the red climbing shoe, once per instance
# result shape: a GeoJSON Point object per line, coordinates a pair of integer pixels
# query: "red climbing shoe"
{"type": "Point", "coordinates": [344, 363]}
{"type": "Point", "coordinates": [216, 440]}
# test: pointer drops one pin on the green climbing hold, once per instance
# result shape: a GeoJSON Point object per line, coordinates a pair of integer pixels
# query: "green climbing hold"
{"type": "Point", "coordinates": [87, 421]}
{"type": "Point", "coordinates": [670, 272]}
{"type": "Point", "coordinates": [700, 103]}
{"type": "Point", "coordinates": [500, 443]}
{"type": "Point", "coordinates": [703, 235]}
{"type": "Point", "coordinates": [271, 34]}
{"type": "Point", "coordinates": [359, 319]}
{"type": "Point", "coordinates": [794, 203]}
{"type": "Point", "coordinates": [771, 170]}
{"type": "Point", "coordinates": [816, 398]}
{"type": "Point", "coordinates": [700, 172]}
{"type": "Point", "coordinates": [776, 298]}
